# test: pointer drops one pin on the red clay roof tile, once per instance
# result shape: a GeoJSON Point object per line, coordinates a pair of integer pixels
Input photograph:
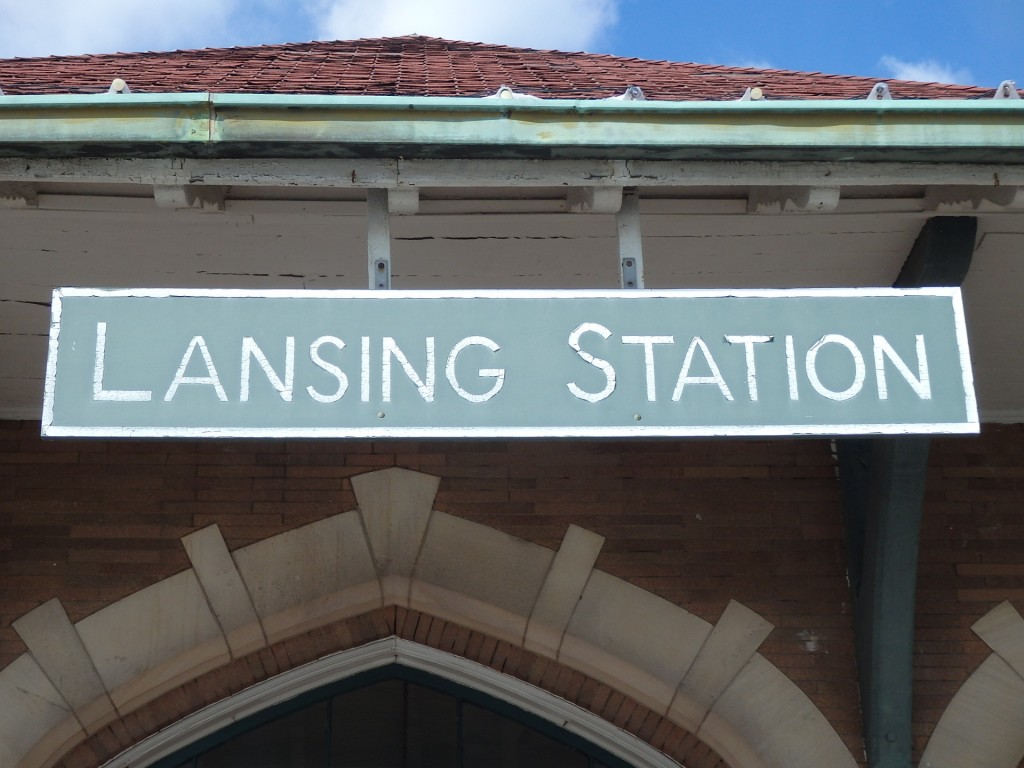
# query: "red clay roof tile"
{"type": "Point", "coordinates": [425, 66]}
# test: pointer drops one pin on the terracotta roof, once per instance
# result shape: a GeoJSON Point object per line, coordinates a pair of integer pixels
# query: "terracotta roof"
{"type": "Point", "coordinates": [425, 66]}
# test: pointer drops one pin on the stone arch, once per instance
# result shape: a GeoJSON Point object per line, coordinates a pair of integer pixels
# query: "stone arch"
{"type": "Point", "coordinates": [394, 551]}
{"type": "Point", "coordinates": [984, 723]}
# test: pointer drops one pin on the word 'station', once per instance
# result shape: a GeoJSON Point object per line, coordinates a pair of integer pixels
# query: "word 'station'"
{"type": "Point", "coordinates": [386, 364]}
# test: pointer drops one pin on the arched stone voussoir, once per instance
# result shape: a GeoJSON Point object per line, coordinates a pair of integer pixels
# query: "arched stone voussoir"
{"type": "Point", "coordinates": [395, 505]}
{"type": "Point", "coordinates": [633, 640]}
{"type": "Point", "coordinates": [153, 640]}
{"type": "Point", "coordinates": [763, 719]}
{"type": "Point", "coordinates": [37, 725]}
{"type": "Point", "coordinates": [478, 577]}
{"type": "Point", "coordinates": [310, 576]}
{"type": "Point", "coordinates": [984, 723]}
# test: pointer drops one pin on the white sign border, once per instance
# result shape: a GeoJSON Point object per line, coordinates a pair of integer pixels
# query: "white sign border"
{"type": "Point", "coordinates": [970, 425]}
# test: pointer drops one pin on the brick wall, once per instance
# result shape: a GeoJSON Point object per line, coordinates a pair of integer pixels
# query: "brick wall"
{"type": "Point", "coordinates": [971, 559]}
{"type": "Point", "coordinates": [696, 522]}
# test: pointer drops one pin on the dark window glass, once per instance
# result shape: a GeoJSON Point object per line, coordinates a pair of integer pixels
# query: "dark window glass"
{"type": "Point", "coordinates": [432, 729]}
{"type": "Point", "coordinates": [297, 740]}
{"type": "Point", "coordinates": [393, 725]}
{"type": "Point", "coordinates": [492, 741]}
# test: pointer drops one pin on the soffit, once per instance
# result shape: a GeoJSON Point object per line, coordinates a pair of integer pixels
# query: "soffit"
{"type": "Point", "coordinates": [487, 237]}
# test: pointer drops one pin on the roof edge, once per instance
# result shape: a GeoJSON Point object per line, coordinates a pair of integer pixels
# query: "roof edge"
{"type": "Point", "coordinates": [433, 126]}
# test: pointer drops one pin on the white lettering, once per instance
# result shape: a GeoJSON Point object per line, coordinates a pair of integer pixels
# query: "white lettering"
{"type": "Point", "coordinates": [921, 384]}
{"type": "Point", "coordinates": [748, 343]}
{"type": "Point", "coordinates": [425, 387]}
{"type": "Point", "coordinates": [211, 377]}
{"type": "Point", "coordinates": [335, 371]}
{"type": "Point", "coordinates": [251, 349]}
{"type": "Point", "coordinates": [498, 374]}
{"type": "Point", "coordinates": [648, 344]}
{"type": "Point", "coordinates": [685, 377]}
{"type": "Point", "coordinates": [119, 395]}
{"type": "Point", "coordinates": [364, 370]}
{"type": "Point", "coordinates": [812, 367]}
{"type": "Point", "coordinates": [794, 391]}
{"type": "Point", "coordinates": [603, 365]}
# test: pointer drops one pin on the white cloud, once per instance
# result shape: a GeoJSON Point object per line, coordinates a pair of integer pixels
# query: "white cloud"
{"type": "Point", "coordinates": [928, 71]}
{"type": "Point", "coordinates": [561, 24]}
{"type": "Point", "coordinates": [47, 27]}
{"type": "Point", "coordinates": [753, 64]}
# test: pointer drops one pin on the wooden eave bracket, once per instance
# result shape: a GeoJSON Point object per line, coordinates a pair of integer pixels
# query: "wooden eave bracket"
{"type": "Point", "coordinates": [594, 199]}
{"type": "Point", "coordinates": [963, 199]}
{"type": "Point", "coordinates": [18, 195]}
{"type": "Point", "coordinates": [883, 484]}
{"type": "Point", "coordinates": [792, 199]}
{"type": "Point", "coordinates": [403, 201]}
{"type": "Point", "coordinates": [202, 197]}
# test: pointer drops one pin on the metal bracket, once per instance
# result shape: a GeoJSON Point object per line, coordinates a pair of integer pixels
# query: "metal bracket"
{"type": "Point", "coordinates": [630, 273]}
{"type": "Point", "coordinates": [378, 238]}
{"type": "Point", "coordinates": [879, 93]}
{"type": "Point", "coordinates": [631, 255]}
{"type": "Point", "coordinates": [1007, 90]}
{"type": "Point", "coordinates": [632, 93]}
{"type": "Point", "coordinates": [382, 274]}
{"type": "Point", "coordinates": [504, 92]}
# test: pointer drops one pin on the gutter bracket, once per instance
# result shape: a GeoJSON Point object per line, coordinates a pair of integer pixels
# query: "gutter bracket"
{"type": "Point", "coordinates": [882, 483]}
{"type": "Point", "coordinates": [1007, 90]}
{"type": "Point", "coordinates": [879, 93]}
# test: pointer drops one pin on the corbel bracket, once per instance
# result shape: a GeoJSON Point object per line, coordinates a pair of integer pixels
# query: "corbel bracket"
{"type": "Point", "coordinates": [883, 484]}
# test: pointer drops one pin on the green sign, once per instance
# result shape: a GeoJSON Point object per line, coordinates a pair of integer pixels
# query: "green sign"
{"type": "Point", "coordinates": [224, 363]}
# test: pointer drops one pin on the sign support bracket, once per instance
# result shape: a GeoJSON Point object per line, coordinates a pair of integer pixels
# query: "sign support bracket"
{"type": "Point", "coordinates": [378, 238]}
{"type": "Point", "coordinates": [631, 250]}
{"type": "Point", "coordinates": [882, 485]}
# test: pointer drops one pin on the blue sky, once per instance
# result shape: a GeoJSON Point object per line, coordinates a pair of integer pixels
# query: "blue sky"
{"type": "Point", "coordinates": [966, 41]}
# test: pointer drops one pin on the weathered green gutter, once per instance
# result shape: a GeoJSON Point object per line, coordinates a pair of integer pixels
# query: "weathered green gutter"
{"type": "Point", "coordinates": [332, 126]}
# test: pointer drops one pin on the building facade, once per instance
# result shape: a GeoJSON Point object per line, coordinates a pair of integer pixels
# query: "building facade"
{"type": "Point", "coordinates": [752, 600]}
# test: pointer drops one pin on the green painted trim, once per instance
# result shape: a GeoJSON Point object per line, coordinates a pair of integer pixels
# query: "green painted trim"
{"type": "Point", "coordinates": [624, 127]}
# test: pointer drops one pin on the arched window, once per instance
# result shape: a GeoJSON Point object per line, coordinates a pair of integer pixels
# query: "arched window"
{"type": "Point", "coordinates": [393, 717]}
